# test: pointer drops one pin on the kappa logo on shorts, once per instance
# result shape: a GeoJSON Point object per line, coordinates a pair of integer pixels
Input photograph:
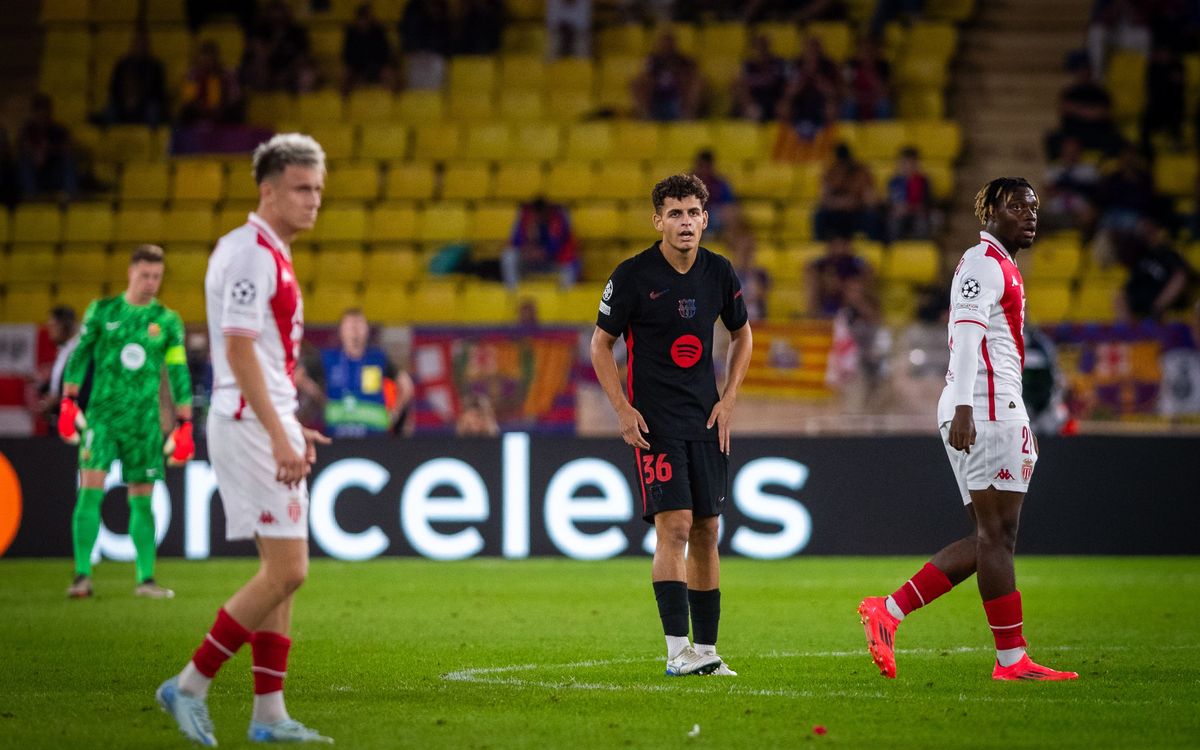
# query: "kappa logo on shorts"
{"type": "Point", "coordinates": [1005, 475]}
{"type": "Point", "coordinates": [266, 518]}
{"type": "Point", "coordinates": [1027, 470]}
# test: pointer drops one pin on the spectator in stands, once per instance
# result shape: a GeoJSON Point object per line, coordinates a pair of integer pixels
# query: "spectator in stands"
{"type": "Point", "coordinates": [210, 93]}
{"type": "Point", "coordinates": [366, 53]}
{"type": "Point", "coordinates": [364, 392]}
{"type": "Point", "coordinates": [755, 279]}
{"type": "Point", "coordinates": [476, 417]}
{"type": "Point", "coordinates": [910, 199]}
{"type": "Point", "coordinates": [759, 87]}
{"type": "Point", "coordinates": [480, 27]}
{"type": "Point", "coordinates": [867, 81]}
{"type": "Point", "coordinates": [1159, 278]}
{"type": "Point", "coordinates": [900, 11]}
{"type": "Point", "coordinates": [848, 202]}
{"type": "Point", "coordinates": [10, 189]}
{"type": "Point", "coordinates": [137, 91]}
{"type": "Point", "coordinates": [670, 86]}
{"type": "Point", "coordinates": [1068, 194]}
{"type": "Point", "coordinates": [64, 332]}
{"type": "Point", "coordinates": [425, 41]}
{"type": "Point", "coordinates": [1117, 23]}
{"type": "Point", "coordinates": [1126, 195]}
{"type": "Point", "coordinates": [840, 279]}
{"type": "Point", "coordinates": [810, 97]}
{"type": "Point", "coordinates": [842, 287]}
{"type": "Point", "coordinates": [278, 56]}
{"type": "Point", "coordinates": [1085, 112]}
{"type": "Point", "coordinates": [542, 241]}
{"type": "Point", "coordinates": [723, 210]}
{"type": "Point", "coordinates": [568, 28]}
{"type": "Point", "coordinates": [46, 153]}
{"type": "Point", "coordinates": [1164, 110]}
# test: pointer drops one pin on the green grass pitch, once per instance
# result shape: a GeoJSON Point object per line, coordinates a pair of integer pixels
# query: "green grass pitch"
{"type": "Point", "coordinates": [559, 654]}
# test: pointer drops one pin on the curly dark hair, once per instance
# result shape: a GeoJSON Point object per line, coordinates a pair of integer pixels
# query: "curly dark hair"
{"type": "Point", "coordinates": [678, 186]}
{"type": "Point", "coordinates": [995, 194]}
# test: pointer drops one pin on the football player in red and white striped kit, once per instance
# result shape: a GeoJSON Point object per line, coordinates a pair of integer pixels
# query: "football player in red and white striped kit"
{"type": "Point", "coordinates": [987, 437]}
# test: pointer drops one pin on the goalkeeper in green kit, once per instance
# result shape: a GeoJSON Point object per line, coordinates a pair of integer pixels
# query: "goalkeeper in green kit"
{"type": "Point", "coordinates": [126, 339]}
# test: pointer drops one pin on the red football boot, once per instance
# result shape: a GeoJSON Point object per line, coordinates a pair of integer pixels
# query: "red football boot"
{"type": "Point", "coordinates": [1027, 670]}
{"type": "Point", "coordinates": [880, 627]}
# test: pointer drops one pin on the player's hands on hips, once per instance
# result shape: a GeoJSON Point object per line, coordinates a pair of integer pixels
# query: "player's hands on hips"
{"type": "Point", "coordinates": [722, 417]}
{"type": "Point", "coordinates": [180, 447]}
{"type": "Point", "coordinates": [633, 427]}
{"type": "Point", "coordinates": [290, 466]}
{"type": "Point", "coordinates": [311, 439]}
{"type": "Point", "coordinates": [70, 420]}
{"type": "Point", "coordinates": [962, 429]}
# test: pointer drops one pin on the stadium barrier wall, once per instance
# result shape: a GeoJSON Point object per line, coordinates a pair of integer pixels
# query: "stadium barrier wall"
{"type": "Point", "coordinates": [521, 496]}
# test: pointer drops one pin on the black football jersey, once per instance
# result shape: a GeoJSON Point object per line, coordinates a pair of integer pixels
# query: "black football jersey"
{"type": "Point", "coordinates": [667, 320]}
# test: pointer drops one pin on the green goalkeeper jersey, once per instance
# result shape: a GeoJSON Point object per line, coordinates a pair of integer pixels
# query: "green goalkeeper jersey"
{"type": "Point", "coordinates": [128, 345]}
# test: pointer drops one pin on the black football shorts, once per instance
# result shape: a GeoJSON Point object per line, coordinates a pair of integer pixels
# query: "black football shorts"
{"type": "Point", "coordinates": [682, 475]}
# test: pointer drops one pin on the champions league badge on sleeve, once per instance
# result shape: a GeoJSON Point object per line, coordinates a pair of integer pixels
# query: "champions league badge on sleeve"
{"type": "Point", "coordinates": [970, 289]}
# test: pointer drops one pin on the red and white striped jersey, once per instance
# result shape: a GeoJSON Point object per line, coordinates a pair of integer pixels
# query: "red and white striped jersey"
{"type": "Point", "coordinates": [987, 291]}
{"type": "Point", "coordinates": [250, 290]}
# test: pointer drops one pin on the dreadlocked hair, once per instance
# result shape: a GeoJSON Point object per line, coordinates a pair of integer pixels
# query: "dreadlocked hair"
{"type": "Point", "coordinates": [996, 193]}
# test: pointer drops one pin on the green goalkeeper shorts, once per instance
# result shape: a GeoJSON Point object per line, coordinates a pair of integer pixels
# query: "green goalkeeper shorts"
{"type": "Point", "coordinates": [140, 453]}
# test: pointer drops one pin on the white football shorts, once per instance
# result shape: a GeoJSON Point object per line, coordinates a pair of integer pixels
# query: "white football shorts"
{"type": "Point", "coordinates": [255, 503]}
{"type": "Point", "coordinates": [1003, 457]}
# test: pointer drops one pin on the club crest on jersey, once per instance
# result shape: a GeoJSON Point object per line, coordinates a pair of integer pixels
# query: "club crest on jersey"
{"type": "Point", "coordinates": [294, 510]}
{"type": "Point", "coordinates": [1027, 470]}
{"type": "Point", "coordinates": [687, 308]}
{"type": "Point", "coordinates": [133, 356]}
{"type": "Point", "coordinates": [971, 288]}
{"type": "Point", "coordinates": [153, 330]}
{"type": "Point", "coordinates": [244, 291]}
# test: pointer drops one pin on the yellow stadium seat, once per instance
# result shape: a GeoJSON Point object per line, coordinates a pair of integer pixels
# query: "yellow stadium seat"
{"type": "Point", "coordinates": [304, 261]}
{"type": "Point", "coordinates": [472, 73]}
{"type": "Point", "coordinates": [491, 141]}
{"type": "Point", "coordinates": [435, 301]}
{"type": "Point", "coordinates": [522, 72]}
{"type": "Point", "coordinates": [524, 38]}
{"type": "Point", "coordinates": [5, 225]}
{"type": "Point", "coordinates": [409, 181]}
{"type": "Point", "coordinates": [616, 79]}
{"type": "Point", "coordinates": [591, 141]}
{"type": "Point", "coordinates": [124, 143]}
{"type": "Point", "coordinates": [486, 303]}
{"type": "Point", "coordinates": [493, 222]}
{"type": "Point", "coordinates": [522, 106]}
{"type": "Point", "coordinates": [384, 303]}
{"type": "Point", "coordinates": [418, 107]}
{"type": "Point", "coordinates": [1175, 174]}
{"type": "Point", "coordinates": [897, 302]}
{"type": "Point", "coordinates": [578, 305]}
{"type": "Point", "coordinates": [64, 11]}
{"type": "Point", "coordinates": [727, 39]}
{"type": "Point", "coordinates": [443, 222]}
{"type": "Point", "coordinates": [1095, 303]}
{"type": "Point", "coordinates": [353, 182]}
{"type": "Point", "coordinates": [270, 107]}
{"type": "Point", "coordinates": [637, 222]}
{"type": "Point", "coordinates": [383, 141]}
{"type": "Point", "coordinates": [64, 74]}
{"type": "Point", "coordinates": [115, 11]}
{"type": "Point", "coordinates": [392, 222]}
{"type": "Point", "coordinates": [341, 223]}
{"type": "Point", "coordinates": [339, 262]}
{"type": "Point", "coordinates": [880, 140]}
{"type": "Point", "coordinates": [83, 263]}
{"type": "Point", "coordinates": [32, 263]}
{"type": "Point", "coordinates": [569, 181]}
{"type": "Point", "coordinates": [935, 139]}
{"type": "Point", "coordinates": [392, 264]}
{"type": "Point", "coordinates": [1052, 259]}
{"type": "Point", "coordinates": [915, 261]}
{"type": "Point", "coordinates": [787, 301]}
{"type": "Point", "coordinates": [165, 11]}
{"type": "Point", "coordinates": [437, 141]}
{"type": "Point", "coordinates": [739, 140]}
{"type": "Point", "coordinates": [762, 215]}
{"type": "Point", "coordinates": [623, 39]}
{"type": "Point", "coordinates": [37, 222]}
{"type": "Point", "coordinates": [941, 178]}
{"type": "Point", "coordinates": [921, 103]}
{"type": "Point", "coordinates": [870, 251]}
{"type": "Point", "coordinates": [681, 140]}
{"type": "Point", "coordinates": [836, 39]}
{"type": "Point", "coordinates": [326, 301]}
{"type": "Point", "coordinates": [784, 38]}
{"type": "Point", "coordinates": [796, 221]}
{"type": "Point", "coordinates": [469, 180]}
{"type": "Point", "coordinates": [26, 303]}
{"type": "Point", "coordinates": [621, 180]}
{"type": "Point", "coordinates": [519, 180]}
{"type": "Point", "coordinates": [71, 108]}
{"type": "Point", "coordinates": [139, 224]}
{"type": "Point", "coordinates": [687, 38]}
{"type": "Point", "coordinates": [337, 140]}
{"type": "Point", "coordinates": [636, 140]}
{"type": "Point", "coordinates": [949, 10]}
{"type": "Point", "coordinates": [1047, 302]}
{"type": "Point", "coordinates": [541, 141]}
{"type": "Point", "coordinates": [370, 105]}
{"type": "Point", "coordinates": [922, 70]}
{"type": "Point", "coordinates": [570, 106]}
{"type": "Point", "coordinates": [472, 106]}
{"type": "Point", "coordinates": [569, 74]}
{"type": "Point", "coordinates": [145, 181]}
{"type": "Point", "coordinates": [319, 107]}
{"type": "Point", "coordinates": [78, 294]}
{"type": "Point", "coordinates": [239, 183]}
{"type": "Point", "coordinates": [187, 224]}
{"type": "Point", "coordinates": [185, 264]}
{"type": "Point", "coordinates": [198, 181]}
{"type": "Point", "coordinates": [770, 180]}
{"type": "Point", "coordinates": [596, 220]}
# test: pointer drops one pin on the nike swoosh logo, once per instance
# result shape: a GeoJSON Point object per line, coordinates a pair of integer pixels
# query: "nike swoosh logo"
{"type": "Point", "coordinates": [113, 325]}
{"type": "Point", "coordinates": [656, 295]}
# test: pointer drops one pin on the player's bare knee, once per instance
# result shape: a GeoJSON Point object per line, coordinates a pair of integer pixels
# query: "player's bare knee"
{"type": "Point", "coordinates": [703, 535]}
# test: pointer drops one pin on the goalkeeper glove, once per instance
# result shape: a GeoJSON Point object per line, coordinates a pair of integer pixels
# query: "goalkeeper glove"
{"type": "Point", "coordinates": [180, 447]}
{"type": "Point", "coordinates": [70, 420]}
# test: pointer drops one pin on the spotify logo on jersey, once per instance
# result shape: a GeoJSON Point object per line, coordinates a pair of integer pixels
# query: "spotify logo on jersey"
{"type": "Point", "coordinates": [686, 350]}
{"type": "Point", "coordinates": [133, 356]}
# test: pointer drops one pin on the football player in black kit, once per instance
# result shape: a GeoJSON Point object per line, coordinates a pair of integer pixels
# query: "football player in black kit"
{"type": "Point", "coordinates": [665, 302]}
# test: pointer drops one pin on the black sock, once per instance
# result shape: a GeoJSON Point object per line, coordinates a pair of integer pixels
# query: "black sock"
{"type": "Point", "coordinates": [672, 598]}
{"type": "Point", "coordinates": [706, 614]}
